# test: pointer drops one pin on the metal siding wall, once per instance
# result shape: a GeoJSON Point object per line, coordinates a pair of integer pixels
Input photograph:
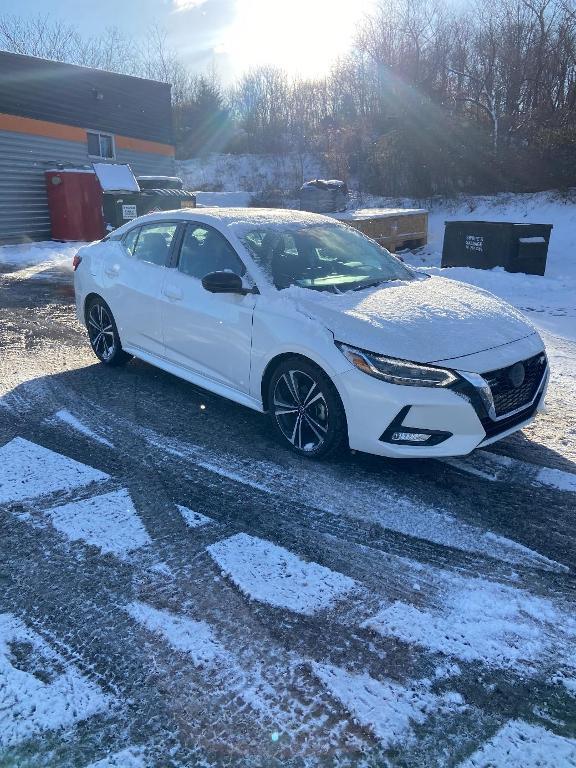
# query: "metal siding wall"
{"type": "Point", "coordinates": [147, 163]}
{"type": "Point", "coordinates": [65, 93]}
{"type": "Point", "coordinates": [24, 211]}
{"type": "Point", "coordinates": [23, 200]}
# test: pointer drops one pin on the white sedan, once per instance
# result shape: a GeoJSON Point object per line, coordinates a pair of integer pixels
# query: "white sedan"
{"type": "Point", "coordinates": [302, 317]}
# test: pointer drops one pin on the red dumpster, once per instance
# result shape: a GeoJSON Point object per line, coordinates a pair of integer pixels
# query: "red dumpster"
{"type": "Point", "coordinates": [75, 202]}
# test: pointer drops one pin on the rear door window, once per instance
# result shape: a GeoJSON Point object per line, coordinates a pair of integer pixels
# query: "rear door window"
{"type": "Point", "coordinates": [154, 241]}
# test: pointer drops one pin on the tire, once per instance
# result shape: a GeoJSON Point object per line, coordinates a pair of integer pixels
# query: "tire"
{"type": "Point", "coordinates": [103, 333]}
{"type": "Point", "coordinates": [305, 409]}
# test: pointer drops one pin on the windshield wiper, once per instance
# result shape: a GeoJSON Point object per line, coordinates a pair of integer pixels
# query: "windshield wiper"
{"type": "Point", "coordinates": [372, 283]}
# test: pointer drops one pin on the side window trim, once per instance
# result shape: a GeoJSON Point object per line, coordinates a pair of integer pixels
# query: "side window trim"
{"type": "Point", "coordinates": [125, 236]}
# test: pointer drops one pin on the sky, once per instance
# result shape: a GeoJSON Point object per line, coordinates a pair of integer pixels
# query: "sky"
{"type": "Point", "coordinates": [302, 36]}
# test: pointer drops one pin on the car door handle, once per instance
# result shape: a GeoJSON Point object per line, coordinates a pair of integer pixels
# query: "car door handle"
{"type": "Point", "coordinates": [113, 271]}
{"type": "Point", "coordinates": [174, 294]}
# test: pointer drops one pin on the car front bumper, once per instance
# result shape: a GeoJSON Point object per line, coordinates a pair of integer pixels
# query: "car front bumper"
{"type": "Point", "coordinates": [372, 406]}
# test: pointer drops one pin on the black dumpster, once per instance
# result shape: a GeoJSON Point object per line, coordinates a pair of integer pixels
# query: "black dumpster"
{"type": "Point", "coordinates": [323, 196]}
{"type": "Point", "coordinates": [120, 207]}
{"type": "Point", "coordinates": [489, 244]}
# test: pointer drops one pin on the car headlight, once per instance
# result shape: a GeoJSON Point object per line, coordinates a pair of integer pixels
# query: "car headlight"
{"type": "Point", "coordinates": [395, 371]}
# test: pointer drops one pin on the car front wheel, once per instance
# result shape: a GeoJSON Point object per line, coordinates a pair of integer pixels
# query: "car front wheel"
{"type": "Point", "coordinates": [103, 334]}
{"type": "Point", "coordinates": [305, 409]}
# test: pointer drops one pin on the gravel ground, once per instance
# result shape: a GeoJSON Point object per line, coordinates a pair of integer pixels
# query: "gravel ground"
{"type": "Point", "coordinates": [179, 590]}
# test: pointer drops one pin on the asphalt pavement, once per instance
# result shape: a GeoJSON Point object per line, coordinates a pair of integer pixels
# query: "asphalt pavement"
{"type": "Point", "coordinates": [177, 589]}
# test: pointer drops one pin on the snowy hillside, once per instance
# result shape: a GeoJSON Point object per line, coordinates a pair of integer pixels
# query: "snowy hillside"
{"type": "Point", "coordinates": [249, 173]}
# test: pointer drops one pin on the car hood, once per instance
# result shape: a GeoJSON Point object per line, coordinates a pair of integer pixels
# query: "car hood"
{"type": "Point", "coordinates": [422, 320]}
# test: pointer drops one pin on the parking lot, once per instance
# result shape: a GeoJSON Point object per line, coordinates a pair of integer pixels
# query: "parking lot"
{"type": "Point", "coordinates": [178, 590]}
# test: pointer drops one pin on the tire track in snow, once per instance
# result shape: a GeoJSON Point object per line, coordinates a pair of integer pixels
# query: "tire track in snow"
{"type": "Point", "coordinates": [496, 467]}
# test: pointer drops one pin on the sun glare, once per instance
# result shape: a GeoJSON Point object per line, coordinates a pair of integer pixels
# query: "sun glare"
{"type": "Point", "coordinates": [303, 37]}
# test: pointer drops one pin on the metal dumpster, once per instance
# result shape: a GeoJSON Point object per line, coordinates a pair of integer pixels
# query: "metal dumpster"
{"type": "Point", "coordinates": [323, 196]}
{"type": "Point", "coordinates": [489, 244]}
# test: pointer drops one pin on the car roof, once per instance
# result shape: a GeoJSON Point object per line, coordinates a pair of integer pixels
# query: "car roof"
{"type": "Point", "coordinates": [242, 216]}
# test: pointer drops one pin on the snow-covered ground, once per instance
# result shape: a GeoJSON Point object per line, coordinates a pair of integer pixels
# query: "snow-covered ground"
{"type": "Point", "coordinates": [38, 254]}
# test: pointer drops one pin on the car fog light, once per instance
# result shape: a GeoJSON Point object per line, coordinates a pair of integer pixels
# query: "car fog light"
{"type": "Point", "coordinates": [411, 437]}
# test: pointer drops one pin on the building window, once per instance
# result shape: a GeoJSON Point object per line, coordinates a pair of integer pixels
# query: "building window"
{"type": "Point", "coordinates": [101, 145]}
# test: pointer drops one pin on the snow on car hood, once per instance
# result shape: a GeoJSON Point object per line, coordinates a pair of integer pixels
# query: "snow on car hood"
{"type": "Point", "coordinates": [421, 320]}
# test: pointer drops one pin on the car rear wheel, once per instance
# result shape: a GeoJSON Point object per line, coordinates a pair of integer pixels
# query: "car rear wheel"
{"type": "Point", "coordinates": [103, 334]}
{"type": "Point", "coordinates": [305, 409]}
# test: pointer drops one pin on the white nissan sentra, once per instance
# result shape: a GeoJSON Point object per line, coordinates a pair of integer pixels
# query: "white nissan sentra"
{"type": "Point", "coordinates": [304, 318]}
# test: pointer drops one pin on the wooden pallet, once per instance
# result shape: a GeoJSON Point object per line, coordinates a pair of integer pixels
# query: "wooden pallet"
{"type": "Point", "coordinates": [393, 228]}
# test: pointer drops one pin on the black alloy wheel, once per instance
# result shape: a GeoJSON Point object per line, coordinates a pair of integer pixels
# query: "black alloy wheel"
{"type": "Point", "coordinates": [305, 409]}
{"type": "Point", "coordinates": [103, 334]}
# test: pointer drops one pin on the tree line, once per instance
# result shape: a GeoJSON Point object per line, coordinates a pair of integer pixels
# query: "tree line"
{"type": "Point", "coordinates": [429, 99]}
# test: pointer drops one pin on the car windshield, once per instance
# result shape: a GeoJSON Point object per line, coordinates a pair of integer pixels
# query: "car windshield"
{"type": "Point", "coordinates": [323, 257]}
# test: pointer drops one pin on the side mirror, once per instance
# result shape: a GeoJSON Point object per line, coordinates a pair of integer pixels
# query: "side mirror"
{"type": "Point", "coordinates": [224, 282]}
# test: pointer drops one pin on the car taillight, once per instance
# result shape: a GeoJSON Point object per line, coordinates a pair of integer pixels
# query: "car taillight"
{"type": "Point", "coordinates": [76, 262]}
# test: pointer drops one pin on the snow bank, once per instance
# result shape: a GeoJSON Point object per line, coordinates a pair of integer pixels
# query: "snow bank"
{"type": "Point", "coordinates": [224, 199]}
{"type": "Point", "coordinates": [29, 254]}
{"type": "Point", "coordinates": [549, 301]}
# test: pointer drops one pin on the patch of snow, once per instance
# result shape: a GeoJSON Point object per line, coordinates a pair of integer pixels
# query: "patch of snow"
{"type": "Point", "coordinates": [498, 468]}
{"type": "Point", "coordinates": [32, 254]}
{"type": "Point", "coordinates": [109, 522]}
{"type": "Point", "coordinates": [195, 638]}
{"type": "Point", "coordinates": [271, 574]}
{"type": "Point", "coordinates": [498, 625]}
{"type": "Point", "coordinates": [568, 682]}
{"type": "Point", "coordinates": [556, 478]}
{"type": "Point", "coordinates": [387, 709]}
{"type": "Point", "coordinates": [132, 757]}
{"type": "Point", "coordinates": [193, 519]}
{"type": "Point", "coordinates": [162, 568]}
{"type": "Point", "coordinates": [521, 745]}
{"type": "Point", "coordinates": [39, 690]}
{"type": "Point", "coordinates": [67, 418]}
{"type": "Point", "coordinates": [28, 470]}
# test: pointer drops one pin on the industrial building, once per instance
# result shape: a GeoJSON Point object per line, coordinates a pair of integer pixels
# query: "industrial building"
{"type": "Point", "coordinates": [56, 115]}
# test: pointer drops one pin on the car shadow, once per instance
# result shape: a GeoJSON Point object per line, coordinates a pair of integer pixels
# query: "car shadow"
{"type": "Point", "coordinates": [239, 443]}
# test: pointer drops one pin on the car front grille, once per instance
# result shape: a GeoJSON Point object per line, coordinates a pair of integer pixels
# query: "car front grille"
{"type": "Point", "coordinates": [494, 428]}
{"type": "Point", "coordinates": [516, 386]}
